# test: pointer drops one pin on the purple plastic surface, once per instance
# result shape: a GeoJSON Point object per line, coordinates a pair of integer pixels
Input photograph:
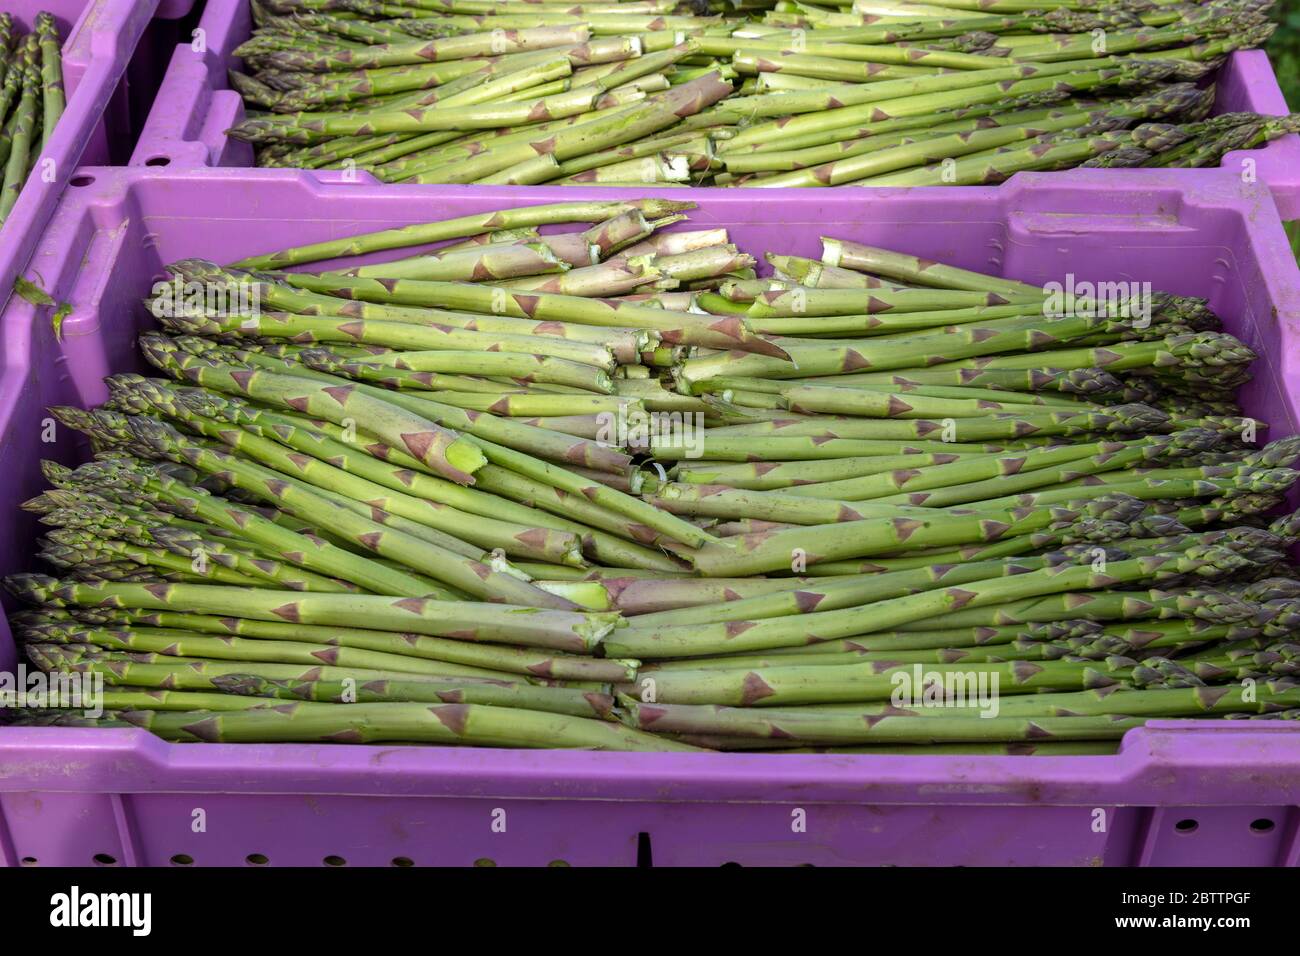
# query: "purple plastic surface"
{"type": "Point", "coordinates": [144, 75]}
{"type": "Point", "coordinates": [68, 794]}
{"type": "Point", "coordinates": [1247, 82]}
{"type": "Point", "coordinates": [99, 38]}
{"type": "Point", "coordinates": [173, 9]}
{"type": "Point", "coordinates": [196, 106]}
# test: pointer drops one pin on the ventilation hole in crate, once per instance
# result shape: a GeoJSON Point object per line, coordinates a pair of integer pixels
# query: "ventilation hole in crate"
{"type": "Point", "coordinates": [558, 863]}
{"type": "Point", "coordinates": [81, 179]}
{"type": "Point", "coordinates": [334, 861]}
{"type": "Point", "coordinates": [103, 859]}
{"type": "Point", "coordinates": [485, 861]}
{"type": "Point", "coordinates": [644, 855]}
{"type": "Point", "coordinates": [1186, 826]}
{"type": "Point", "coordinates": [158, 161]}
{"type": "Point", "coordinates": [182, 859]}
{"type": "Point", "coordinates": [256, 859]}
{"type": "Point", "coordinates": [1262, 825]}
{"type": "Point", "coordinates": [29, 861]}
{"type": "Point", "coordinates": [403, 861]}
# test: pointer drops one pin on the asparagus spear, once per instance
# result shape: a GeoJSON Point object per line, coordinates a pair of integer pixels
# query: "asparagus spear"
{"type": "Point", "coordinates": [737, 636]}
{"type": "Point", "coordinates": [462, 620]}
{"type": "Point", "coordinates": [512, 660]}
{"type": "Point", "coordinates": [124, 477]}
{"type": "Point", "coordinates": [53, 102]}
{"type": "Point", "coordinates": [174, 643]}
{"type": "Point", "coordinates": [23, 128]}
{"type": "Point", "coordinates": [247, 690]}
{"type": "Point", "coordinates": [421, 552]}
{"type": "Point", "coordinates": [792, 724]}
{"type": "Point", "coordinates": [448, 724]}
{"type": "Point", "coordinates": [459, 228]}
{"type": "Point", "coordinates": [527, 541]}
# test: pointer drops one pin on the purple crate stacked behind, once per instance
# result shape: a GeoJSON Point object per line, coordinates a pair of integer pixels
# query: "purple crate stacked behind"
{"type": "Point", "coordinates": [1192, 792]}
{"type": "Point", "coordinates": [173, 9]}
{"type": "Point", "coordinates": [172, 23]}
{"type": "Point", "coordinates": [99, 38]}
{"type": "Point", "coordinates": [196, 106]}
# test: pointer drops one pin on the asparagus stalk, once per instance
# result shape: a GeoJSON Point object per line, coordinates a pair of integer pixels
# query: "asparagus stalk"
{"type": "Point", "coordinates": [462, 620]}
{"type": "Point", "coordinates": [460, 228]}
{"type": "Point", "coordinates": [422, 553]}
{"type": "Point", "coordinates": [369, 458]}
{"type": "Point", "coordinates": [447, 724]}
{"type": "Point", "coordinates": [248, 690]}
{"type": "Point", "coordinates": [174, 643]}
{"type": "Point", "coordinates": [52, 102]}
{"type": "Point", "coordinates": [736, 637]}
{"type": "Point", "coordinates": [23, 128]}
{"type": "Point", "coordinates": [793, 724]}
{"type": "Point", "coordinates": [124, 477]}
{"type": "Point", "coordinates": [492, 657]}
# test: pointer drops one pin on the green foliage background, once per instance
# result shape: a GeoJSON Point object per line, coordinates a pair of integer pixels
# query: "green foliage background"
{"type": "Point", "coordinates": [1284, 48]}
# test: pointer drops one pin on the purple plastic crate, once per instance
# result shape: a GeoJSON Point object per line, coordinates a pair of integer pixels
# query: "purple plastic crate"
{"type": "Point", "coordinates": [196, 106]}
{"type": "Point", "coordinates": [99, 38]}
{"type": "Point", "coordinates": [1222, 792]}
{"type": "Point", "coordinates": [173, 9]}
{"type": "Point", "coordinates": [172, 22]}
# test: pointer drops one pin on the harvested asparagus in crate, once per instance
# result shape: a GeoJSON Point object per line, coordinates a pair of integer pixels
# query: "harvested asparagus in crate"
{"type": "Point", "coordinates": [31, 100]}
{"type": "Point", "coordinates": [764, 95]}
{"type": "Point", "coordinates": [577, 475]}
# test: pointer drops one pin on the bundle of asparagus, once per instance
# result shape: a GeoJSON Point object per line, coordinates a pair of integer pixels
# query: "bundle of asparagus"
{"type": "Point", "coordinates": [752, 94]}
{"type": "Point", "coordinates": [31, 100]}
{"type": "Point", "coordinates": [606, 487]}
